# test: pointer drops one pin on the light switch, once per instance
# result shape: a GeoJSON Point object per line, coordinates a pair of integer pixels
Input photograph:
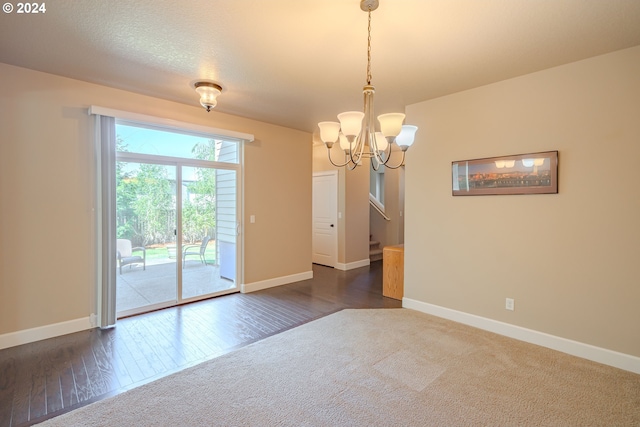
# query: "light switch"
{"type": "Point", "coordinates": [252, 219]}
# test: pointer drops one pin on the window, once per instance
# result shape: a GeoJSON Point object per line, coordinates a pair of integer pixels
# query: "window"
{"type": "Point", "coordinates": [376, 185]}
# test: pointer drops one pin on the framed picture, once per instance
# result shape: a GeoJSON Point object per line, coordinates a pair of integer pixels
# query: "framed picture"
{"type": "Point", "coordinates": [533, 173]}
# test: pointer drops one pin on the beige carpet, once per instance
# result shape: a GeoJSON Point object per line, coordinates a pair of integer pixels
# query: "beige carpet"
{"type": "Point", "coordinates": [391, 367]}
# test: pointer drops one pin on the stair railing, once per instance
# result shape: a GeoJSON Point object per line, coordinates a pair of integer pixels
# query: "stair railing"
{"type": "Point", "coordinates": [377, 206]}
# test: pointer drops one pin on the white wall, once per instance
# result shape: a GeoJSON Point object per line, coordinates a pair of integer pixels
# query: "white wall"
{"type": "Point", "coordinates": [570, 260]}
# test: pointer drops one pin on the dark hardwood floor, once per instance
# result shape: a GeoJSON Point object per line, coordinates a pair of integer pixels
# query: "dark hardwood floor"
{"type": "Point", "coordinates": [47, 378]}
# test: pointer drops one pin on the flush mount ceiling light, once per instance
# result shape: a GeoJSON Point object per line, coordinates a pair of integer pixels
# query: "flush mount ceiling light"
{"type": "Point", "coordinates": [208, 92]}
{"type": "Point", "coordinates": [356, 131]}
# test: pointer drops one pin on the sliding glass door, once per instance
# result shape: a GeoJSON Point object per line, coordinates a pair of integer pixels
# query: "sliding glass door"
{"type": "Point", "coordinates": [176, 218]}
{"type": "Point", "coordinates": [208, 216]}
{"type": "Point", "coordinates": [146, 238]}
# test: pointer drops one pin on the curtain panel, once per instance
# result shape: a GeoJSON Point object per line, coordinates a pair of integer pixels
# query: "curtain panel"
{"type": "Point", "coordinates": [105, 149]}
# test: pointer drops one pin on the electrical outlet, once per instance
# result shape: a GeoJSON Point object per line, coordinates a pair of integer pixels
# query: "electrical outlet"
{"type": "Point", "coordinates": [509, 304]}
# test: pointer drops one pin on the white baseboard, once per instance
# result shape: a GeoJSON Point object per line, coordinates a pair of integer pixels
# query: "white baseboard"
{"type": "Point", "coordinates": [574, 348]}
{"type": "Point", "coordinates": [352, 265]}
{"type": "Point", "coordinates": [270, 283]}
{"type": "Point", "coordinates": [26, 336]}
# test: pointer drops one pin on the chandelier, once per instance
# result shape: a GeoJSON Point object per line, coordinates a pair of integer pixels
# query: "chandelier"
{"type": "Point", "coordinates": [356, 130]}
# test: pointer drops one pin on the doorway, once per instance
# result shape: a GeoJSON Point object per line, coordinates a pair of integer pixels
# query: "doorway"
{"type": "Point", "coordinates": [325, 218]}
{"type": "Point", "coordinates": [176, 218]}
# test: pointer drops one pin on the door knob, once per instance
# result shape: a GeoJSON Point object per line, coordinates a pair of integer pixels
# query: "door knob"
{"type": "Point", "coordinates": [331, 225]}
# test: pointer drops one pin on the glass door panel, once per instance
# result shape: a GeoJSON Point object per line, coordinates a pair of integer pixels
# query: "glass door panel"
{"type": "Point", "coordinates": [146, 233]}
{"type": "Point", "coordinates": [208, 231]}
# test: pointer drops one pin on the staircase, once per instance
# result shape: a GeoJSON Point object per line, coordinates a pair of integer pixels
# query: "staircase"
{"type": "Point", "coordinates": [375, 252]}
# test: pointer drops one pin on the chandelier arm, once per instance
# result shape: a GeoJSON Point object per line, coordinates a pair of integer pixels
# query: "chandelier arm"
{"type": "Point", "coordinates": [398, 165]}
{"type": "Point", "coordinates": [379, 160]}
{"type": "Point", "coordinates": [352, 148]}
{"type": "Point", "coordinates": [377, 155]}
{"type": "Point", "coordinates": [333, 163]}
{"type": "Point", "coordinates": [387, 154]}
{"type": "Point", "coordinates": [375, 163]}
{"type": "Point", "coordinates": [363, 144]}
{"type": "Point", "coordinates": [357, 147]}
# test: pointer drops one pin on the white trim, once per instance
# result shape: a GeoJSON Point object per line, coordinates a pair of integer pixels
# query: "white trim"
{"type": "Point", "coordinates": [326, 173]}
{"type": "Point", "coordinates": [378, 206]}
{"type": "Point", "coordinates": [574, 348]}
{"type": "Point", "coordinates": [169, 123]}
{"type": "Point", "coordinates": [27, 336]}
{"type": "Point", "coordinates": [270, 283]}
{"type": "Point", "coordinates": [352, 265]}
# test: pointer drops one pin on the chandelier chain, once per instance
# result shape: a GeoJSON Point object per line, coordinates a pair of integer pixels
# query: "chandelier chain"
{"type": "Point", "coordinates": [369, 50]}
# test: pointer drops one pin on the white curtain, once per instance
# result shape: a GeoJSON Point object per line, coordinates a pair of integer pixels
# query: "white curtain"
{"type": "Point", "coordinates": [105, 149]}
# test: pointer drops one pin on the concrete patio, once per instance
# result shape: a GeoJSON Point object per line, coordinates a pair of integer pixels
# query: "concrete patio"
{"type": "Point", "coordinates": [156, 284]}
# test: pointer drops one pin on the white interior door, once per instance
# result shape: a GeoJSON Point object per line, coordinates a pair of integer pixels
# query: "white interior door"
{"type": "Point", "coordinates": [325, 218]}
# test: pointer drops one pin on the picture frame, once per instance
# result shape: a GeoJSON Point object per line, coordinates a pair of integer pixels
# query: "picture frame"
{"type": "Point", "coordinates": [531, 173]}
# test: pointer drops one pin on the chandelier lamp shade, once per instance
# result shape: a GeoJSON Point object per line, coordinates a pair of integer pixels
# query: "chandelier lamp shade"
{"type": "Point", "coordinates": [208, 92]}
{"type": "Point", "coordinates": [356, 131]}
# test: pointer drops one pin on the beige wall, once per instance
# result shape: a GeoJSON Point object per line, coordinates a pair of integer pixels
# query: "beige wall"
{"type": "Point", "coordinates": [353, 204]}
{"type": "Point", "coordinates": [47, 194]}
{"type": "Point", "coordinates": [569, 260]}
{"type": "Point", "coordinates": [356, 213]}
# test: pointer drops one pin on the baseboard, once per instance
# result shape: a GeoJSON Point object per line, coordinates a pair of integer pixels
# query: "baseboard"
{"type": "Point", "coordinates": [574, 348]}
{"type": "Point", "coordinates": [26, 336]}
{"type": "Point", "coordinates": [270, 283]}
{"type": "Point", "coordinates": [352, 265]}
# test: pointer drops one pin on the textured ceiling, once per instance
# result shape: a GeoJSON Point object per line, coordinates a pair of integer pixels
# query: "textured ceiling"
{"type": "Point", "coordinates": [297, 62]}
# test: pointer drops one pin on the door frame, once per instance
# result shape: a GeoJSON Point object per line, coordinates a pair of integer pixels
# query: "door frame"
{"type": "Point", "coordinates": [334, 177]}
{"type": "Point", "coordinates": [179, 164]}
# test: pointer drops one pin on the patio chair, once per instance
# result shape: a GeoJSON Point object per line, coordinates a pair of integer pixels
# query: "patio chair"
{"type": "Point", "coordinates": [126, 256]}
{"type": "Point", "coordinates": [190, 250]}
